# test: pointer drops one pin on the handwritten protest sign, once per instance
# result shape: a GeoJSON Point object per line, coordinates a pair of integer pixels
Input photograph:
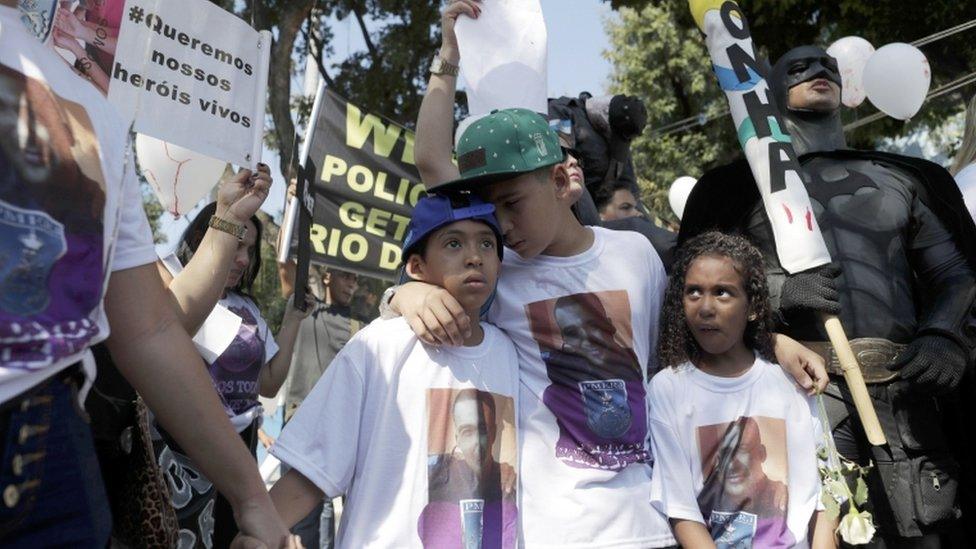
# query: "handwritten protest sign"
{"type": "Point", "coordinates": [365, 186]}
{"type": "Point", "coordinates": [186, 84]}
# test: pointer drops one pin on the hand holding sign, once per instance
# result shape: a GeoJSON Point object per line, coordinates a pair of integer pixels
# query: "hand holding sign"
{"type": "Point", "coordinates": [239, 197]}
{"type": "Point", "coordinates": [449, 18]}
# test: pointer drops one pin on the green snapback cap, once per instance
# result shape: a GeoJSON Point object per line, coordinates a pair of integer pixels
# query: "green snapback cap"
{"type": "Point", "coordinates": [503, 145]}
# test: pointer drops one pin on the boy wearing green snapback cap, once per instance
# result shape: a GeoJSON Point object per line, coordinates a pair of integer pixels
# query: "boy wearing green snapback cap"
{"type": "Point", "coordinates": [581, 305]}
{"type": "Point", "coordinates": [421, 440]}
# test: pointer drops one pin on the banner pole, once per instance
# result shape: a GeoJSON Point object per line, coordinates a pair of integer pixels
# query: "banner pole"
{"type": "Point", "coordinates": [261, 101]}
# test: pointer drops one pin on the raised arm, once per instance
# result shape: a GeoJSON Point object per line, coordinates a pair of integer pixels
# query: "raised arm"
{"type": "Point", "coordinates": [435, 123]}
{"type": "Point", "coordinates": [198, 287]}
{"type": "Point", "coordinates": [156, 355]}
{"type": "Point", "coordinates": [273, 373]}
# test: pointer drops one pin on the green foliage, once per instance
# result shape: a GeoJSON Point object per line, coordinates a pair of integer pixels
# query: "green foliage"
{"type": "Point", "coordinates": [386, 78]}
{"type": "Point", "coordinates": [267, 288]}
{"type": "Point", "coordinates": [649, 44]}
{"type": "Point", "coordinates": [666, 64]}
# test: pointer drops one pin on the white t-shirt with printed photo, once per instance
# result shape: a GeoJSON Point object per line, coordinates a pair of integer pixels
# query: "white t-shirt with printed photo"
{"type": "Point", "coordinates": [586, 332]}
{"type": "Point", "coordinates": [70, 211]}
{"type": "Point", "coordinates": [422, 441]}
{"type": "Point", "coordinates": [736, 454]}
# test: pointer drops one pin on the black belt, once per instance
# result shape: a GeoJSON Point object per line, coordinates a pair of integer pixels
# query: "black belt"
{"type": "Point", "coordinates": [873, 355]}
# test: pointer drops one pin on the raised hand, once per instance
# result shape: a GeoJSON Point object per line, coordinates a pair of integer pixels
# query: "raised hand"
{"type": "Point", "coordinates": [471, 8]}
{"type": "Point", "coordinates": [239, 197]}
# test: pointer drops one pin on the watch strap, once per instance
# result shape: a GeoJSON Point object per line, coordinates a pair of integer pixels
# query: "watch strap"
{"type": "Point", "coordinates": [443, 67]}
{"type": "Point", "coordinates": [229, 227]}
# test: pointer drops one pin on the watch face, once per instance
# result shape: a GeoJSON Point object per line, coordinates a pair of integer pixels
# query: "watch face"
{"type": "Point", "coordinates": [437, 65]}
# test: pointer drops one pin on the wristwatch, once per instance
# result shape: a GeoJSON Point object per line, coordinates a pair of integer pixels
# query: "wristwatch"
{"type": "Point", "coordinates": [228, 227]}
{"type": "Point", "coordinates": [441, 67]}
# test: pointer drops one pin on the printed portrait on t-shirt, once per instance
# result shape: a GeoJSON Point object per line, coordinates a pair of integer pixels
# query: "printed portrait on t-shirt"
{"type": "Point", "coordinates": [744, 494]}
{"type": "Point", "coordinates": [52, 197]}
{"type": "Point", "coordinates": [597, 384]}
{"type": "Point", "coordinates": [235, 372]}
{"type": "Point", "coordinates": [471, 471]}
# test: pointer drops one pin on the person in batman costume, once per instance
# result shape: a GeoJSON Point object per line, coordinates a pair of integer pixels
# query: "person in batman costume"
{"type": "Point", "coordinates": [902, 283]}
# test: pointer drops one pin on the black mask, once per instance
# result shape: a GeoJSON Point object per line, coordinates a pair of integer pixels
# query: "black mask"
{"type": "Point", "coordinates": [811, 131]}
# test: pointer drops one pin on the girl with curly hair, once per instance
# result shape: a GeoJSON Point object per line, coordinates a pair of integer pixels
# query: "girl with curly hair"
{"type": "Point", "coordinates": [726, 473]}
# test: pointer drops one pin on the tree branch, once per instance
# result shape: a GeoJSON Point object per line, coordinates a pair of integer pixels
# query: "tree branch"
{"type": "Point", "coordinates": [316, 47]}
{"type": "Point", "coordinates": [370, 46]}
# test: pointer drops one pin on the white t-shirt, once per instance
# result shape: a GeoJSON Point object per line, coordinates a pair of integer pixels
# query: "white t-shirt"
{"type": "Point", "coordinates": [966, 180]}
{"type": "Point", "coordinates": [404, 431]}
{"type": "Point", "coordinates": [70, 211]}
{"type": "Point", "coordinates": [236, 371]}
{"type": "Point", "coordinates": [736, 454]}
{"type": "Point", "coordinates": [586, 332]}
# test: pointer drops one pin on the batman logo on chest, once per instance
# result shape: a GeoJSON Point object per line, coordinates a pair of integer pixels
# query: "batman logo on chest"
{"type": "Point", "coordinates": [843, 196]}
{"type": "Point", "coordinates": [827, 182]}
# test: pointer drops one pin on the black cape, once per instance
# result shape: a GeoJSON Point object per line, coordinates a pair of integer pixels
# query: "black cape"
{"type": "Point", "coordinates": [724, 197]}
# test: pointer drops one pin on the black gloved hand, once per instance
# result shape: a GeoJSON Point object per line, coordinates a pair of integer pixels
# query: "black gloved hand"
{"type": "Point", "coordinates": [933, 363]}
{"type": "Point", "coordinates": [813, 290]}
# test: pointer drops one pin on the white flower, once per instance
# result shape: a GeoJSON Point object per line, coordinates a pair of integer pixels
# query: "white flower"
{"type": "Point", "coordinates": [856, 528]}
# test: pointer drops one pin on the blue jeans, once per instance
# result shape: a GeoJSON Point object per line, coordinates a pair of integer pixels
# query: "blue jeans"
{"type": "Point", "coordinates": [52, 490]}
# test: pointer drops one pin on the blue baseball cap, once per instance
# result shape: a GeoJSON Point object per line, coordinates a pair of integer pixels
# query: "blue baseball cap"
{"type": "Point", "coordinates": [435, 211]}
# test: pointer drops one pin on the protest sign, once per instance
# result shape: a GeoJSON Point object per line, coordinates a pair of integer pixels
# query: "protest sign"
{"type": "Point", "coordinates": [365, 186]}
{"type": "Point", "coordinates": [799, 243]}
{"type": "Point", "coordinates": [165, 69]}
{"type": "Point", "coordinates": [503, 56]}
{"type": "Point", "coordinates": [185, 84]}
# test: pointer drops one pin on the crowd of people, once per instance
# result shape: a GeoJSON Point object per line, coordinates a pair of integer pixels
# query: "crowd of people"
{"type": "Point", "coordinates": [551, 370]}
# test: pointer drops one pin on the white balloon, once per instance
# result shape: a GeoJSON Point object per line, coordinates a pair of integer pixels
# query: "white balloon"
{"type": "Point", "coordinates": [851, 53]}
{"type": "Point", "coordinates": [679, 192]}
{"type": "Point", "coordinates": [896, 79]}
{"type": "Point", "coordinates": [179, 176]}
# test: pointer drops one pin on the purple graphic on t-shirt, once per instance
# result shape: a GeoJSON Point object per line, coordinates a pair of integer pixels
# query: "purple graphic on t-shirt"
{"type": "Point", "coordinates": [51, 228]}
{"type": "Point", "coordinates": [597, 392]}
{"type": "Point", "coordinates": [464, 512]}
{"type": "Point", "coordinates": [235, 372]}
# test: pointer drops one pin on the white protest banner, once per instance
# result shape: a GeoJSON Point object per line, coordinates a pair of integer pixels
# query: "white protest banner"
{"type": "Point", "coordinates": [503, 56]}
{"type": "Point", "coordinates": [194, 75]}
{"type": "Point", "coordinates": [768, 148]}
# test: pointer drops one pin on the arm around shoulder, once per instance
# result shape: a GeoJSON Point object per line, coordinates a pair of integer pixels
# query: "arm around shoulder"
{"type": "Point", "coordinates": [692, 534]}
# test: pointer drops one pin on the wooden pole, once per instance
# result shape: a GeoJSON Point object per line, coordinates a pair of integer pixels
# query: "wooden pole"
{"type": "Point", "coordinates": [854, 379]}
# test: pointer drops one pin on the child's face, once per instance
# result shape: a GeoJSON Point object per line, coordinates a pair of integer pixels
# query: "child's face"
{"type": "Point", "coordinates": [716, 305]}
{"type": "Point", "coordinates": [528, 212]}
{"type": "Point", "coordinates": [463, 259]}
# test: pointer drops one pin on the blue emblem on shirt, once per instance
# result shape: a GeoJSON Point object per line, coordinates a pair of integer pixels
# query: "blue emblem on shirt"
{"type": "Point", "coordinates": [732, 530]}
{"type": "Point", "coordinates": [605, 402]}
{"type": "Point", "coordinates": [30, 243]}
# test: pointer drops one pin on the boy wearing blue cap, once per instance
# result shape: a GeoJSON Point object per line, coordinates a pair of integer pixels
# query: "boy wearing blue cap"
{"type": "Point", "coordinates": [581, 305]}
{"type": "Point", "coordinates": [420, 440]}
